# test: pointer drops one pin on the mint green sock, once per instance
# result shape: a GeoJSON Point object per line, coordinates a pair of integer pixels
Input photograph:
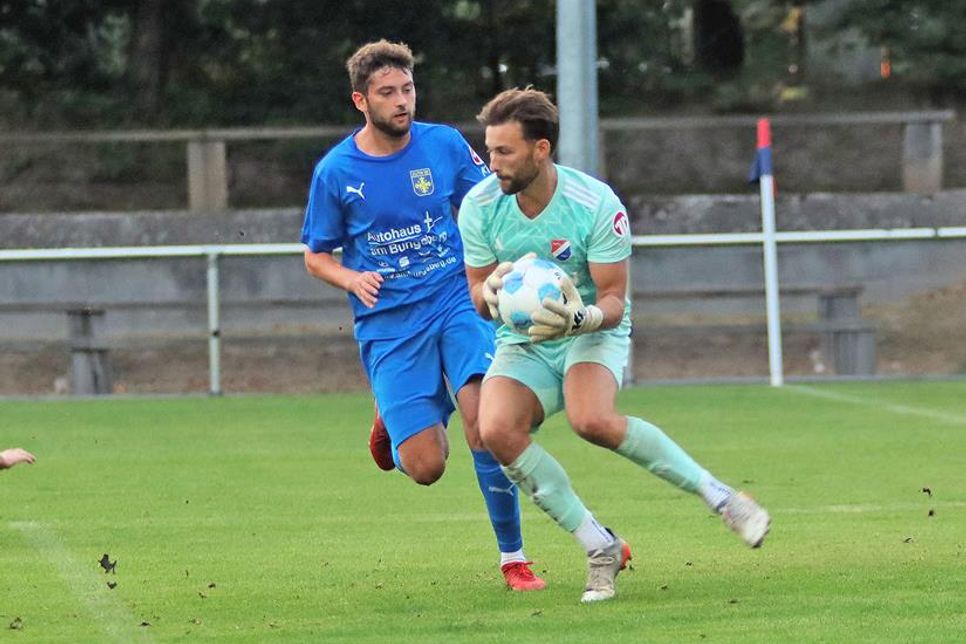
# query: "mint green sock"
{"type": "Point", "coordinates": [651, 448]}
{"type": "Point", "coordinates": [542, 478]}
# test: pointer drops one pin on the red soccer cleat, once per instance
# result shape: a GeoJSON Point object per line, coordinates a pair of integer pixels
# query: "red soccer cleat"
{"type": "Point", "coordinates": [625, 556]}
{"type": "Point", "coordinates": [379, 444]}
{"type": "Point", "coordinates": [519, 577]}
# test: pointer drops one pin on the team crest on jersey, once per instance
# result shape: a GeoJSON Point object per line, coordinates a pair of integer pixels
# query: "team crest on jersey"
{"type": "Point", "coordinates": [422, 181]}
{"type": "Point", "coordinates": [560, 249]}
{"type": "Point", "coordinates": [621, 225]}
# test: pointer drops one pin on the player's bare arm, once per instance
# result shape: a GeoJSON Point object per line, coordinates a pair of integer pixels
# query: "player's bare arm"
{"type": "Point", "coordinates": [611, 283]}
{"type": "Point", "coordinates": [364, 285]}
{"type": "Point", "coordinates": [13, 456]}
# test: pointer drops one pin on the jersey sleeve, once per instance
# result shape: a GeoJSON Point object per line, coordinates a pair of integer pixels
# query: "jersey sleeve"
{"type": "Point", "coordinates": [476, 251]}
{"type": "Point", "coordinates": [610, 240]}
{"type": "Point", "coordinates": [470, 168]}
{"type": "Point", "coordinates": [323, 228]}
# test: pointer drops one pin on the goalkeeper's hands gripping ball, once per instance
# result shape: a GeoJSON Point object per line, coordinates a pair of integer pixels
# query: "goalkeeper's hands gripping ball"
{"type": "Point", "coordinates": [555, 320]}
{"type": "Point", "coordinates": [494, 282]}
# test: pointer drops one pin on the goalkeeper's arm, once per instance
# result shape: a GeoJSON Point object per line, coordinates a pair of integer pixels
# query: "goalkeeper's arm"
{"type": "Point", "coordinates": [611, 283]}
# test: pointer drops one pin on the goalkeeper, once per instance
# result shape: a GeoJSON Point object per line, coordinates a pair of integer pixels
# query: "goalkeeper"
{"type": "Point", "coordinates": [574, 356]}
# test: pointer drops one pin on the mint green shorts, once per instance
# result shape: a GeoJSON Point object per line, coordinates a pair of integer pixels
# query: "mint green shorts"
{"type": "Point", "coordinates": [541, 367]}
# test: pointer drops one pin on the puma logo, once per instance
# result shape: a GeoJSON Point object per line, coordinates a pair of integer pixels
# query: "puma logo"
{"type": "Point", "coordinates": [358, 191]}
{"type": "Point", "coordinates": [500, 490]}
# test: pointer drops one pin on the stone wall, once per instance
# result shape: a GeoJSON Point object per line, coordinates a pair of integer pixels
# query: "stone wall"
{"type": "Point", "coordinates": [887, 270]}
{"type": "Point", "coordinates": [912, 290]}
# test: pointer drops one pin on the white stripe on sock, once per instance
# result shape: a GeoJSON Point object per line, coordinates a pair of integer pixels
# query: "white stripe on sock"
{"type": "Point", "coordinates": [591, 535]}
{"type": "Point", "coordinates": [714, 492]}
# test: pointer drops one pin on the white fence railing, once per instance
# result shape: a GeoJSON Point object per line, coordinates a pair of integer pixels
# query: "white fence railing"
{"type": "Point", "coordinates": [214, 252]}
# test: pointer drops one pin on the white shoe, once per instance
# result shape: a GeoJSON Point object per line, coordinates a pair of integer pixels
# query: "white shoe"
{"type": "Point", "coordinates": [602, 568]}
{"type": "Point", "coordinates": [742, 514]}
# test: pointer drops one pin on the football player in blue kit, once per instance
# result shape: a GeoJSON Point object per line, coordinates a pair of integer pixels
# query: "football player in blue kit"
{"type": "Point", "coordinates": [387, 195]}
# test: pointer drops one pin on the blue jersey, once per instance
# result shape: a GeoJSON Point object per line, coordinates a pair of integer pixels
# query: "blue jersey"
{"type": "Point", "coordinates": [394, 215]}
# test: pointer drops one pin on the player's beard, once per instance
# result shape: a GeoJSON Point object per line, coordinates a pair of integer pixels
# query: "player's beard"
{"type": "Point", "coordinates": [523, 178]}
{"type": "Point", "coordinates": [389, 126]}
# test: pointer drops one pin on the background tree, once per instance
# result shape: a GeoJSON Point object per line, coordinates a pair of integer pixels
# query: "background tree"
{"type": "Point", "coordinates": [146, 66]}
{"type": "Point", "coordinates": [136, 63]}
{"type": "Point", "coordinates": [926, 40]}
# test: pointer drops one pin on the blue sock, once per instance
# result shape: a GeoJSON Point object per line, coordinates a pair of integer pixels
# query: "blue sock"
{"type": "Point", "coordinates": [502, 502]}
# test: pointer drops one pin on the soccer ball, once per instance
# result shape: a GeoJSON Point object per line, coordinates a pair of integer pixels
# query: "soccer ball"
{"type": "Point", "coordinates": [524, 289]}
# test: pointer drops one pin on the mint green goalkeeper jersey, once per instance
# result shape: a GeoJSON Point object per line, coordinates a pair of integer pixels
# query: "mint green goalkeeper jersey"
{"type": "Point", "coordinates": [584, 222]}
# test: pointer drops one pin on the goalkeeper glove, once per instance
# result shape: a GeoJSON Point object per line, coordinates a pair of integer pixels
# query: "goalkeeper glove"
{"type": "Point", "coordinates": [556, 320]}
{"type": "Point", "coordinates": [494, 282]}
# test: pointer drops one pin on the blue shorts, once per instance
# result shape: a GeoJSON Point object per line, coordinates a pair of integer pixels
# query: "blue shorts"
{"type": "Point", "coordinates": [407, 374]}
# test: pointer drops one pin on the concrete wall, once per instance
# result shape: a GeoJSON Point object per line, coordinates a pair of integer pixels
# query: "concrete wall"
{"type": "Point", "coordinates": [888, 270]}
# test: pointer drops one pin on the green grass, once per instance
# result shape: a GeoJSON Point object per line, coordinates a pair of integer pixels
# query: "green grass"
{"type": "Point", "coordinates": [262, 519]}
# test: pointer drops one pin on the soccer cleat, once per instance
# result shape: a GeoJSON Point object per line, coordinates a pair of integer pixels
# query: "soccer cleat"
{"type": "Point", "coordinates": [519, 577]}
{"type": "Point", "coordinates": [742, 514]}
{"type": "Point", "coordinates": [602, 568]}
{"type": "Point", "coordinates": [379, 444]}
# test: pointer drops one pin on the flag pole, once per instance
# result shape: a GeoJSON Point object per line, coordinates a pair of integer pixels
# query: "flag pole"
{"type": "Point", "coordinates": [766, 183]}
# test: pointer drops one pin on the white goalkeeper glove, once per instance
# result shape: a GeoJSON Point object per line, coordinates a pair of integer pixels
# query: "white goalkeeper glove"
{"type": "Point", "coordinates": [494, 282]}
{"type": "Point", "coordinates": [556, 320]}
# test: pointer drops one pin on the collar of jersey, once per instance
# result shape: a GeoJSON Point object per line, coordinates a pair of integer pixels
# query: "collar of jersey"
{"type": "Point", "coordinates": [413, 133]}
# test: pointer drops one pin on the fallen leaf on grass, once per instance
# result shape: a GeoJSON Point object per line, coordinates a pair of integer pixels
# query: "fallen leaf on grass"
{"type": "Point", "coordinates": [107, 564]}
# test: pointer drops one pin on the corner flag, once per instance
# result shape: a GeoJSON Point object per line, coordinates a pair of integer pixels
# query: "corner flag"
{"type": "Point", "coordinates": [761, 174]}
{"type": "Point", "coordinates": [761, 166]}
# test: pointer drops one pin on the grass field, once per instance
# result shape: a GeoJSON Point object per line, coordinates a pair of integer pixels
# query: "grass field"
{"type": "Point", "coordinates": [262, 519]}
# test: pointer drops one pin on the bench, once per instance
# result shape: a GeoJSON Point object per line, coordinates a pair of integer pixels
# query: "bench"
{"type": "Point", "coordinates": [848, 339]}
{"type": "Point", "coordinates": [90, 365]}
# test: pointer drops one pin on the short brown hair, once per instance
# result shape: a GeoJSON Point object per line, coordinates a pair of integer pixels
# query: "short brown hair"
{"type": "Point", "coordinates": [529, 107]}
{"type": "Point", "coordinates": [375, 56]}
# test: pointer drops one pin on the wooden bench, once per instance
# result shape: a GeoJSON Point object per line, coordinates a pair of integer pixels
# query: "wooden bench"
{"type": "Point", "coordinates": [848, 339]}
